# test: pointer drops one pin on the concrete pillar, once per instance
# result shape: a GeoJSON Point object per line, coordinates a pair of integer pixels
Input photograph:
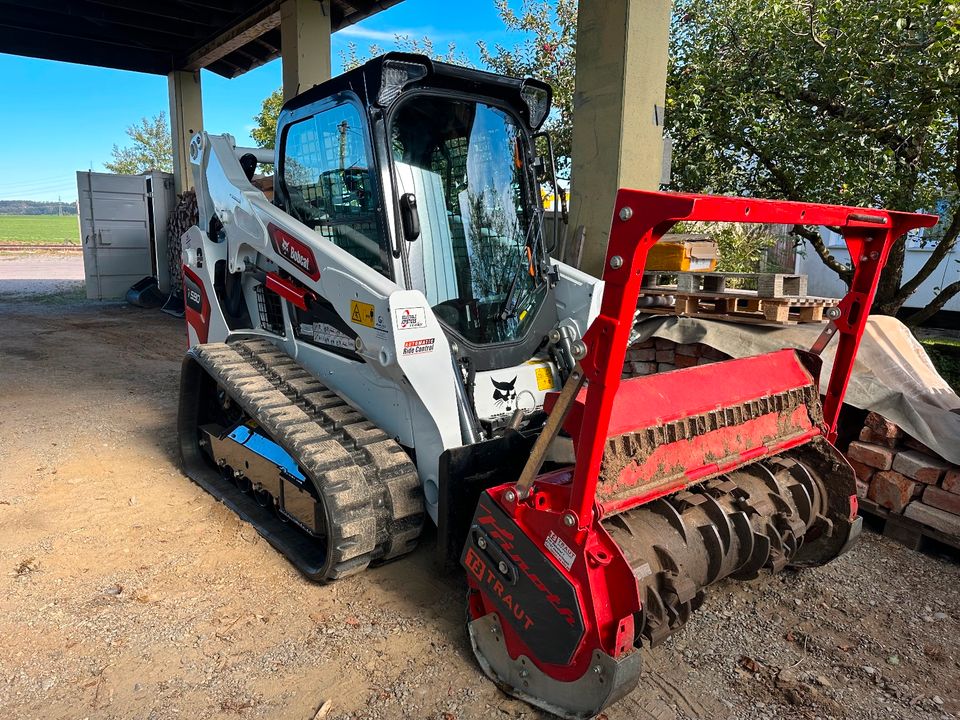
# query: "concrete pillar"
{"type": "Point", "coordinates": [621, 80]}
{"type": "Point", "coordinates": [305, 44]}
{"type": "Point", "coordinates": [186, 120]}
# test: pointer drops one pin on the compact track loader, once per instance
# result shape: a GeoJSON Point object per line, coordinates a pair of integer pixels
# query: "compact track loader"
{"type": "Point", "coordinates": [390, 341]}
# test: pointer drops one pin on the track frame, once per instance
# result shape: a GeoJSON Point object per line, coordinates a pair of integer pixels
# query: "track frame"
{"type": "Point", "coordinates": [366, 486]}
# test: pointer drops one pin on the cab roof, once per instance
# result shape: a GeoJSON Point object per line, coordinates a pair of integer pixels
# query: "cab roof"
{"type": "Point", "coordinates": [381, 81]}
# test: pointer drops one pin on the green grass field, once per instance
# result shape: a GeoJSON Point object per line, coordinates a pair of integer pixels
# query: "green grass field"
{"type": "Point", "coordinates": [39, 229]}
{"type": "Point", "coordinates": [945, 354]}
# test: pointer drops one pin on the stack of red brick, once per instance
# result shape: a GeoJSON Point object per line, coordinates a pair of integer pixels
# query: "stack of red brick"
{"type": "Point", "coordinates": [904, 476]}
{"type": "Point", "coordinates": [659, 355]}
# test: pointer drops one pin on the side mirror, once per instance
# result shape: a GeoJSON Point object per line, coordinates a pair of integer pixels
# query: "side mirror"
{"type": "Point", "coordinates": [409, 216]}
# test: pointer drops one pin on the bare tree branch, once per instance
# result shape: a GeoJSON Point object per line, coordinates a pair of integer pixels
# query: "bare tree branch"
{"type": "Point", "coordinates": [935, 305]}
{"type": "Point", "coordinates": [812, 7]}
{"type": "Point", "coordinates": [816, 242]}
{"type": "Point", "coordinates": [788, 188]}
{"type": "Point", "coordinates": [834, 109]}
{"type": "Point", "coordinates": [943, 248]}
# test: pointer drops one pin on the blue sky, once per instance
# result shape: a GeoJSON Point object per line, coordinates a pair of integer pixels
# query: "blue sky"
{"type": "Point", "coordinates": [67, 117]}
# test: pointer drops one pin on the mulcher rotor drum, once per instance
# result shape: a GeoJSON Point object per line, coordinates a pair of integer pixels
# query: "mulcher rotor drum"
{"type": "Point", "coordinates": [732, 526]}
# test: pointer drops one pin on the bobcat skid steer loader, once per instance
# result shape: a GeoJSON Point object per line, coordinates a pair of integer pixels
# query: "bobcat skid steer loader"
{"type": "Point", "coordinates": [390, 343]}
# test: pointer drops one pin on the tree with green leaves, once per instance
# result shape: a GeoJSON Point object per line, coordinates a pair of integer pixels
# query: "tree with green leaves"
{"type": "Point", "coordinates": [351, 58]}
{"type": "Point", "coordinates": [546, 49]}
{"type": "Point", "coordinates": [824, 101]}
{"type": "Point", "coordinates": [151, 148]}
{"type": "Point", "coordinates": [265, 132]}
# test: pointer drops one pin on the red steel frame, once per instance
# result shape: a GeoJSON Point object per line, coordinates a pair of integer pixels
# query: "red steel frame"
{"type": "Point", "coordinates": [663, 399]}
{"type": "Point", "coordinates": [640, 219]}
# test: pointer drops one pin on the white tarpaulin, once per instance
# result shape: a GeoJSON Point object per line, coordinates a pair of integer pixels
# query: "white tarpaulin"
{"type": "Point", "coordinates": [892, 375]}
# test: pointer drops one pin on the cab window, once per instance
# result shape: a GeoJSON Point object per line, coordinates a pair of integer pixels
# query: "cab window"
{"type": "Point", "coordinates": [328, 182]}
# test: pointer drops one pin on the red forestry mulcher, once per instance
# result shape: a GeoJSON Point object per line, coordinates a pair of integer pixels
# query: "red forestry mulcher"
{"type": "Point", "coordinates": [681, 479]}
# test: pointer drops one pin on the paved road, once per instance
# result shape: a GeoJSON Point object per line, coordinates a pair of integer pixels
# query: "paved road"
{"type": "Point", "coordinates": [36, 274]}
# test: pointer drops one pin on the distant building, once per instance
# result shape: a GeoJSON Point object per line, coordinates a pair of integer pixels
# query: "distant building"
{"type": "Point", "coordinates": [824, 282]}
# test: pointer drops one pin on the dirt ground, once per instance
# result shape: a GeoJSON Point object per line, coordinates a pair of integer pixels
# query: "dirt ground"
{"type": "Point", "coordinates": [127, 592]}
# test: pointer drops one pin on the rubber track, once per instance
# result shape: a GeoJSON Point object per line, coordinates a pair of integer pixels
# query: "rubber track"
{"type": "Point", "coordinates": [366, 481]}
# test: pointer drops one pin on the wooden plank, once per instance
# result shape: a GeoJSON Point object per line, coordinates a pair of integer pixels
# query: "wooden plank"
{"type": "Point", "coordinates": [908, 532]}
{"type": "Point", "coordinates": [752, 294]}
{"type": "Point", "coordinates": [686, 305]}
{"type": "Point", "coordinates": [705, 294]}
{"type": "Point", "coordinates": [768, 284]}
{"type": "Point", "coordinates": [657, 279]}
{"type": "Point", "coordinates": [907, 536]}
{"type": "Point", "coordinates": [714, 283]}
{"type": "Point", "coordinates": [730, 318]}
{"type": "Point", "coordinates": [781, 285]}
{"type": "Point", "coordinates": [775, 312]}
{"type": "Point", "coordinates": [727, 308]}
{"type": "Point", "coordinates": [745, 304]}
{"type": "Point", "coordinates": [811, 314]}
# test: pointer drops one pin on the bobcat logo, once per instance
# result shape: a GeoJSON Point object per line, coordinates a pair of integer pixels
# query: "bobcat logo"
{"type": "Point", "coordinates": [505, 394]}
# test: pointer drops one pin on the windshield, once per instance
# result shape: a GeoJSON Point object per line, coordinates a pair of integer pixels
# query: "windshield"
{"type": "Point", "coordinates": [480, 238]}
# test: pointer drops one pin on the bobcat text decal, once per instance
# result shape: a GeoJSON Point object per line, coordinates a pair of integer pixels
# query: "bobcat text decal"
{"type": "Point", "coordinates": [297, 252]}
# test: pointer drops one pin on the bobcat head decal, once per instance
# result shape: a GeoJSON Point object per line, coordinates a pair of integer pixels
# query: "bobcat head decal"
{"type": "Point", "coordinates": [505, 394]}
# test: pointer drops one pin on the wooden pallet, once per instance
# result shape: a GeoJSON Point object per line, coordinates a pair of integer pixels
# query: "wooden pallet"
{"type": "Point", "coordinates": [908, 532]}
{"type": "Point", "coordinates": [660, 279]}
{"type": "Point", "coordinates": [768, 285]}
{"type": "Point", "coordinates": [744, 305]}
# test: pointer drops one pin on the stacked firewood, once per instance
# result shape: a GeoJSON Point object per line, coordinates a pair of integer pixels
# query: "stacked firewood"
{"type": "Point", "coordinates": [184, 216]}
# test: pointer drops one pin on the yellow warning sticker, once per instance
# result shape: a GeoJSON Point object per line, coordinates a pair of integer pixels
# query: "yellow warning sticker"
{"type": "Point", "coordinates": [362, 313]}
{"type": "Point", "coordinates": [544, 378]}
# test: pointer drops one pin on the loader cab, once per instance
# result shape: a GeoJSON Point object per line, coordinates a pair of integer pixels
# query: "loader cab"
{"type": "Point", "coordinates": [426, 172]}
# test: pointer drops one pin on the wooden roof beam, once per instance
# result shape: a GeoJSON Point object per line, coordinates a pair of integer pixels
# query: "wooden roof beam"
{"type": "Point", "coordinates": [249, 29]}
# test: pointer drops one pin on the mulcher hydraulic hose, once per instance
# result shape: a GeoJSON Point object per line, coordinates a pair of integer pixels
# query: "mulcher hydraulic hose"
{"type": "Point", "coordinates": [731, 526]}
